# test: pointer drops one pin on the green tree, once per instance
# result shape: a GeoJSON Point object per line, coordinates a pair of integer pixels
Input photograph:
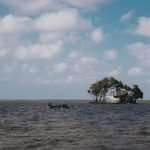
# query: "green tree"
{"type": "Point", "coordinates": [101, 87]}
{"type": "Point", "coordinates": [137, 93]}
{"type": "Point", "coordinates": [95, 90]}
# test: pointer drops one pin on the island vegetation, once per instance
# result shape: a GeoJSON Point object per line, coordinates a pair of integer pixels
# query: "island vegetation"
{"type": "Point", "coordinates": [111, 90]}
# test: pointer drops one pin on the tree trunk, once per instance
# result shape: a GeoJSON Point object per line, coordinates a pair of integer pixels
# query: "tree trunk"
{"type": "Point", "coordinates": [96, 99]}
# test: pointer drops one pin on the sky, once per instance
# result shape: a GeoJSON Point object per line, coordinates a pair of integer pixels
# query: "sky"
{"type": "Point", "coordinates": [55, 49]}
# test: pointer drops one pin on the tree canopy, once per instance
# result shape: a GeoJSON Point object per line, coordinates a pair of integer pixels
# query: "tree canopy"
{"type": "Point", "coordinates": [101, 87]}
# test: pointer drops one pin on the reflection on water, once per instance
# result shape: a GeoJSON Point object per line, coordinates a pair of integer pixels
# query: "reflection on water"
{"type": "Point", "coordinates": [27, 125]}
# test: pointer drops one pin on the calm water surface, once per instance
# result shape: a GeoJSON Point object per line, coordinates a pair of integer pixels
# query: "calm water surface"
{"type": "Point", "coordinates": [32, 125]}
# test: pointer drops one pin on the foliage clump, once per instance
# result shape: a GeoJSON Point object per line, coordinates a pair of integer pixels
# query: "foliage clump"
{"type": "Point", "coordinates": [101, 87]}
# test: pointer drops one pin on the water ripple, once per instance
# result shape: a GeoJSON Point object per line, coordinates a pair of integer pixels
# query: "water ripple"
{"type": "Point", "coordinates": [33, 126]}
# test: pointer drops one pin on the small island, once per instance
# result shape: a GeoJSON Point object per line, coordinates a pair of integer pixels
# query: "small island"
{"type": "Point", "coordinates": [112, 91]}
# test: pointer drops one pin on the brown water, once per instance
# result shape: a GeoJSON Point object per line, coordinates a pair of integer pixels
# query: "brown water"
{"type": "Point", "coordinates": [32, 125]}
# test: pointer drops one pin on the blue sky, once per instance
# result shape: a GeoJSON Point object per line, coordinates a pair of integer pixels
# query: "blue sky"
{"type": "Point", "coordinates": [56, 49]}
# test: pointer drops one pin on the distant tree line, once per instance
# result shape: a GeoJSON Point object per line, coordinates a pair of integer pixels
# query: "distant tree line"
{"type": "Point", "coordinates": [101, 87]}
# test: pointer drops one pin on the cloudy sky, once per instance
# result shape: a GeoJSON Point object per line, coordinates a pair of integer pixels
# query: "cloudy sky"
{"type": "Point", "coordinates": [57, 48]}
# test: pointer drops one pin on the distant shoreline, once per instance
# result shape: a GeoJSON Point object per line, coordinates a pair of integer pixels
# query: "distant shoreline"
{"type": "Point", "coordinates": [143, 101]}
{"type": "Point", "coordinates": [45, 101]}
{"type": "Point", "coordinates": [62, 100]}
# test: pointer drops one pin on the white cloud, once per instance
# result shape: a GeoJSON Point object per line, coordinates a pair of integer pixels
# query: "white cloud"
{"type": "Point", "coordinates": [82, 59]}
{"type": "Point", "coordinates": [41, 81]}
{"type": "Point", "coordinates": [60, 67]}
{"type": "Point", "coordinates": [141, 52]}
{"type": "Point", "coordinates": [143, 27]}
{"type": "Point", "coordinates": [50, 37]}
{"type": "Point", "coordinates": [85, 3]}
{"type": "Point", "coordinates": [89, 60]}
{"type": "Point", "coordinates": [3, 52]}
{"type": "Point", "coordinates": [28, 6]}
{"type": "Point", "coordinates": [116, 72]}
{"type": "Point", "coordinates": [29, 68]}
{"type": "Point", "coordinates": [8, 69]}
{"type": "Point", "coordinates": [65, 20]}
{"type": "Point", "coordinates": [97, 35]}
{"type": "Point", "coordinates": [74, 55]}
{"type": "Point", "coordinates": [110, 54]}
{"type": "Point", "coordinates": [76, 68]}
{"type": "Point", "coordinates": [70, 79]}
{"type": "Point", "coordinates": [135, 71]}
{"type": "Point", "coordinates": [127, 16]}
{"type": "Point", "coordinates": [51, 26]}
{"type": "Point", "coordinates": [85, 67]}
{"type": "Point", "coordinates": [43, 51]}
{"type": "Point", "coordinates": [73, 38]}
{"type": "Point", "coordinates": [33, 7]}
{"type": "Point", "coordinates": [12, 24]}
{"type": "Point", "coordinates": [148, 81]}
{"type": "Point", "coordinates": [73, 79]}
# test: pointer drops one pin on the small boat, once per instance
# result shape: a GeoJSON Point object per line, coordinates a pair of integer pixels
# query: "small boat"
{"type": "Point", "coordinates": [58, 106]}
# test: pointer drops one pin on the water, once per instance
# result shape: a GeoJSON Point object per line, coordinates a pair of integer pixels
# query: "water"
{"type": "Point", "coordinates": [32, 125]}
